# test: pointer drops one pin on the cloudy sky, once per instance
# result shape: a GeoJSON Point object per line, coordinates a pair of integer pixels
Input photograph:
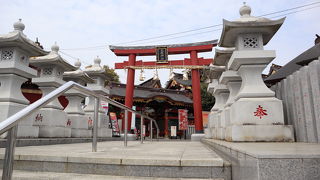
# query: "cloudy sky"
{"type": "Point", "coordinates": [78, 24]}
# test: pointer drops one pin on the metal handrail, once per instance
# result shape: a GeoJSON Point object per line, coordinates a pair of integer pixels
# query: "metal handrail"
{"type": "Point", "coordinates": [10, 124]}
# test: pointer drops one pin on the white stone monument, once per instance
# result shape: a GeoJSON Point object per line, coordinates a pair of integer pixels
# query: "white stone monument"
{"type": "Point", "coordinates": [256, 115]}
{"type": "Point", "coordinates": [80, 125]}
{"type": "Point", "coordinates": [51, 119]}
{"type": "Point", "coordinates": [98, 73]}
{"type": "Point", "coordinates": [15, 50]}
{"type": "Point", "coordinates": [221, 93]}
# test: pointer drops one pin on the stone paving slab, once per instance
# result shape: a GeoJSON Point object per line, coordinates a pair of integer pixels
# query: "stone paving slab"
{"type": "Point", "coordinates": [26, 175]}
{"type": "Point", "coordinates": [273, 149]}
{"type": "Point", "coordinates": [163, 153]}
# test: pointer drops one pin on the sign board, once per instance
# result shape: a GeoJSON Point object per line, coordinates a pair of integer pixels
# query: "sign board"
{"type": "Point", "coordinates": [183, 119]}
{"type": "Point", "coordinates": [173, 131]}
{"type": "Point", "coordinates": [162, 54]}
{"type": "Point", "coordinates": [114, 124]}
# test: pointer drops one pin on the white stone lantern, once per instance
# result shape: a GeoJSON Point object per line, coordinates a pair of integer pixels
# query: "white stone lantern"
{"type": "Point", "coordinates": [256, 115]}
{"type": "Point", "coordinates": [221, 94]}
{"type": "Point", "coordinates": [81, 126]}
{"type": "Point", "coordinates": [98, 73]}
{"type": "Point", "coordinates": [51, 119]}
{"type": "Point", "coordinates": [232, 81]}
{"type": "Point", "coordinates": [216, 69]}
{"type": "Point", "coordinates": [15, 50]}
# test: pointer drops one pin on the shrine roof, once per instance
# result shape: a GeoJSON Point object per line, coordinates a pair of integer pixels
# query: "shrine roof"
{"type": "Point", "coordinates": [179, 79]}
{"type": "Point", "coordinates": [204, 46]}
{"type": "Point", "coordinates": [151, 83]}
{"type": "Point", "coordinates": [304, 58]}
{"type": "Point", "coordinates": [119, 90]}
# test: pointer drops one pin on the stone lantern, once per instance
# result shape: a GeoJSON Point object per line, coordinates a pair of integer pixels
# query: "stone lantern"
{"type": "Point", "coordinates": [232, 81]}
{"type": "Point", "coordinates": [15, 50]}
{"type": "Point", "coordinates": [99, 75]}
{"type": "Point", "coordinates": [256, 115]}
{"type": "Point", "coordinates": [216, 69]}
{"type": "Point", "coordinates": [80, 125]}
{"type": "Point", "coordinates": [51, 119]}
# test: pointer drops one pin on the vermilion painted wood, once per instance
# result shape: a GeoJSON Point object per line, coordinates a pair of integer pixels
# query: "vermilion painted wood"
{"type": "Point", "coordinates": [187, 62]}
{"type": "Point", "coordinates": [172, 50]}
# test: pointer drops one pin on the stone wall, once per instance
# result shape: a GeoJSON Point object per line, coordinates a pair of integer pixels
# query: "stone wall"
{"type": "Point", "coordinates": [300, 93]}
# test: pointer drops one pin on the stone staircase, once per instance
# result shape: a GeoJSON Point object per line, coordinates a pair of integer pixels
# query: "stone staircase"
{"type": "Point", "coordinates": [151, 160]}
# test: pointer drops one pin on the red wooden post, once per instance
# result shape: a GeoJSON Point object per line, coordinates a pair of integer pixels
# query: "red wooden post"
{"type": "Point", "coordinates": [166, 121]}
{"type": "Point", "coordinates": [130, 89]}
{"type": "Point", "coordinates": [196, 93]}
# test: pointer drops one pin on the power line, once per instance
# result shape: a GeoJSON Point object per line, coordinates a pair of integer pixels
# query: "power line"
{"type": "Point", "coordinates": [282, 15]}
{"type": "Point", "coordinates": [197, 29]}
{"type": "Point", "coordinates": [207, 27]}
{"type": "Point", "coordinates": [73, 57]}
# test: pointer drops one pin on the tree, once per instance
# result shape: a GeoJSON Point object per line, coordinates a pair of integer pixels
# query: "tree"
{"type": "Point", "coordinates": [206, 98]}
{"type": "Point", "coordinates": [111, 74]}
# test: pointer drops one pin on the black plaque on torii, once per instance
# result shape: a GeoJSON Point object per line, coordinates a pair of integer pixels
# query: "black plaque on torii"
{"type": "Point", "coordinates": [162, 54]}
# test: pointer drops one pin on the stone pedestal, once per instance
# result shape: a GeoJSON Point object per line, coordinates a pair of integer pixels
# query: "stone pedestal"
{"type": "Point", "coordinates": [81, 125]}
{"type": "Point", "coordinates": [51, 119]}
{"type": "Point", "coordinates": [233, 82]}
{"type": "Point", "coordinates": [255, 107]}
{"type": "Point", "coordinates": [103, 119]}
{"type": "Point", "coordinates": [12, 101]}
{"type": "Point", "coordinates": [221, 94]}
{"type": "Point", "coordinates": [197, 137]}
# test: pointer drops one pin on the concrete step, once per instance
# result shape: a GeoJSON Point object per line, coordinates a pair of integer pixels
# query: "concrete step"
{"type": "Point", "coordinates": [151, 159]}
{"type": "Point", "coordinates": [27, 175]}
{"type": "Point", "coordinates": [50, 141]}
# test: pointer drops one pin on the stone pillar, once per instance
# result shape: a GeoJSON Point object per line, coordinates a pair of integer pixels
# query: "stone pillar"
{"type": "Point", "coordinates": [97, 72]}
{"type": "Point", "coordinates": [233, 82]}
{"type": "Point", "coordinates": [81, 126]}
{"type": "Point", "coordinates": [15, 50]}
{"type": "Point", "coordinates": [221, 94]}
{"type": "Point", "coordinates": [211, 127]}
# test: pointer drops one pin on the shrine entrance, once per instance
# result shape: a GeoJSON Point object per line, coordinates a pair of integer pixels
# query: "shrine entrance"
{"type": "Point", "coordinates": [194, 63]}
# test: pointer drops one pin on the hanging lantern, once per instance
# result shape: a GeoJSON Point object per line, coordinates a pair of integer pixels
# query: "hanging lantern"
{"type": "Point", "coordinates": [142, 76]}
{"type": "Point", "coordinates": [155, 75]}
{"type": "Point", "coordinates": [171, 74]}
{"type": "Point", "coordinates": [185, 75]}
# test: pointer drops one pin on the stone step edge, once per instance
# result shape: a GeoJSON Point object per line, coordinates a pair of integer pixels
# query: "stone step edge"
{"type": "Point", "coordinates": [212, 162]}
{"type": "Point", "coordinates": [32, 175]}
{"type": "Point", "coordinates": [125, 170]}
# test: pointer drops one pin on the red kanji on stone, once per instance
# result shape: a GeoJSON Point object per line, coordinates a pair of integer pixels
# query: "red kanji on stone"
{"type": "Point", "coordinates": [69, 122]}
{"type": "Point", "coordinates": [260, 112]}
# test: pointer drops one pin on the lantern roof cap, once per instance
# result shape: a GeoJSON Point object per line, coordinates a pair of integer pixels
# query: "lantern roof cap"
{"type": "Point", "coordinates": [248, 24]}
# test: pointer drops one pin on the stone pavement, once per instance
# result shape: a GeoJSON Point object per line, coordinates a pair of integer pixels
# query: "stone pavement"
{"type": "Point", "coordinates": [114, 152]}
{"type": "Point", "coordinates": [165, 159]}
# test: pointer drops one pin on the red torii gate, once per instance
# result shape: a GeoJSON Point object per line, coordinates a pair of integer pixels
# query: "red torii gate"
{"type": "Point", "coordinates": [190, 48]}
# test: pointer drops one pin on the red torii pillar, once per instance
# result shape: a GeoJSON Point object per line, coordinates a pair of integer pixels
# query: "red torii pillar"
{"type": "Point", "coordinates": [196, 93]}
{"type": "Point", "coordinates": [129, 89]}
